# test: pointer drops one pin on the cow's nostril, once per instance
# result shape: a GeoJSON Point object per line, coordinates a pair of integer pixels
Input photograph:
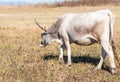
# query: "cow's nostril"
{"type": "Point", "coordinates": [41, 42]}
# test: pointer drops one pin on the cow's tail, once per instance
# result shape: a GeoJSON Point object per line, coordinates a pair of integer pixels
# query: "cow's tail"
{"type": "Point", "coordinates": [111, 39]}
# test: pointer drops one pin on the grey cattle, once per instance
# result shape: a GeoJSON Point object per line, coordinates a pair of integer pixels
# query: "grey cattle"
{"type": "Point", "coordinates": [83, 29]}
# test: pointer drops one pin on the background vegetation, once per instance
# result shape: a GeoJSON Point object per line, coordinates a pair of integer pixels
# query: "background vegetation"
{"type": "Point", "coordinates": [72, 3]}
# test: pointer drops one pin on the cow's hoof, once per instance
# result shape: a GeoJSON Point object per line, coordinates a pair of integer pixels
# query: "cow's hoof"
{"type": "Point", "coordinates": [69, 63]}
{"type": "Point", "coordinates": [61, 61]}
{"type": "Point", "coordinates": [113, 71]}
{"type": "Point", "coordinates": [68, 66]}
{"type": "Point", "coordinates": [97, 68]}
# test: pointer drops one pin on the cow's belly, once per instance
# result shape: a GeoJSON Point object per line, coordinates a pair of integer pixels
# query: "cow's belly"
{"type": "Point", "coordinates": [85, 40]}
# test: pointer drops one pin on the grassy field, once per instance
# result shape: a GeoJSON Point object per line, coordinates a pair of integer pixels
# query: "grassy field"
{"type": "Point", "coordinates": [22, 60]}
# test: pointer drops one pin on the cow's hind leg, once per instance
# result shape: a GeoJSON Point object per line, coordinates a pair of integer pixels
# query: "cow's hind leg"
{"type": "Point", "coordinates": [115, 53]}
{"type": "Point", "coordinates": [108, 48]}
{"type": "Point", "coordinates": [103, 55]}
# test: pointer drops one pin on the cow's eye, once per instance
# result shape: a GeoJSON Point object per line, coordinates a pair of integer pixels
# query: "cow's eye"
{"type": "Point", "coordinates": [43, 34]}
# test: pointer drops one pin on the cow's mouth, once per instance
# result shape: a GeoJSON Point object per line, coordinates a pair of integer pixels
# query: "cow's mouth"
{"type": "Point", "coordinates": [43, 45]}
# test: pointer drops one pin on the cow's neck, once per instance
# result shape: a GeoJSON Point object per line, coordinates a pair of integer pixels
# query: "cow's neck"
{"type": "Point", "coordinates": [56, 38]}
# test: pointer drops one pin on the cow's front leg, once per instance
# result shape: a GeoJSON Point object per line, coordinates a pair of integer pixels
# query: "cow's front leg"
{"type": "Point", "coordinates": [67, 46]}
{"type": "Point", "coordinates": [68, 49]}
{"type": "Point", "coordinates": [62, 48]}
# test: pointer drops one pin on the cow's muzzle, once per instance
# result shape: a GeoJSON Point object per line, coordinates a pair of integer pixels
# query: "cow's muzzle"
{"type": "Point", "coordinates": [43, 44]}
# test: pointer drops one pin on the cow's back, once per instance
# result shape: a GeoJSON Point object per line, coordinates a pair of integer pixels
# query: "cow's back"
{"type": "Point", "coordinates": [80, 26]}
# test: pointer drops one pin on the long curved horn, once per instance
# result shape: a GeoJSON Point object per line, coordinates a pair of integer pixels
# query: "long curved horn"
{"type": "Point", "coordinates": [39, 25]}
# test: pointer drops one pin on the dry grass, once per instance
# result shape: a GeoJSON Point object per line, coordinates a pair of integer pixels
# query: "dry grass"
{"type": "Point", "coordinates": [22, 60]}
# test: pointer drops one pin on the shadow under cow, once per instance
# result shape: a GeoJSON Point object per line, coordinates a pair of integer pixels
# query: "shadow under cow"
{"type": "Point", "coordinates": [80, 59]}
{"type": "Point", "coordinates": [75, 59]}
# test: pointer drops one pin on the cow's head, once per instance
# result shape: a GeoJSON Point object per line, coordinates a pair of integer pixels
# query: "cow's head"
{"type": "Point", "coordinates": [46, 37]}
